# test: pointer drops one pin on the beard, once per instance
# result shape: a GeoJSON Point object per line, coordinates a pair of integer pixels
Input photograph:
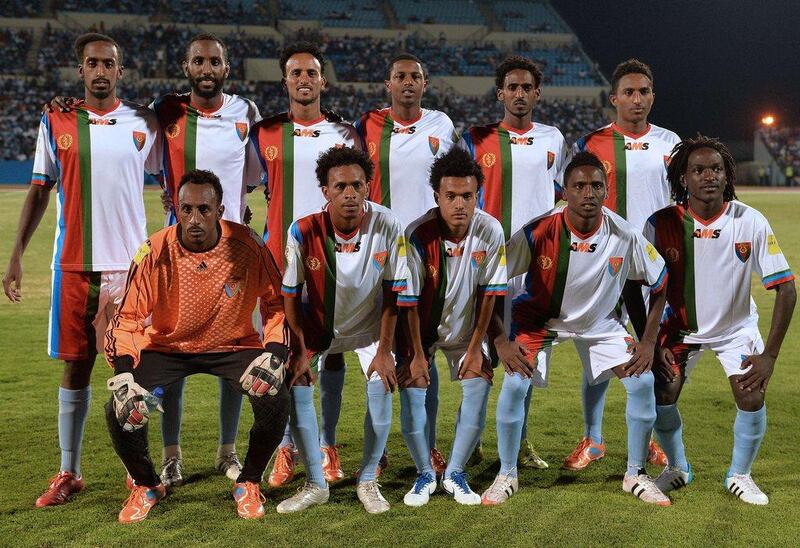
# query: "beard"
{"type": "Point", "coordinates": [206, 93]}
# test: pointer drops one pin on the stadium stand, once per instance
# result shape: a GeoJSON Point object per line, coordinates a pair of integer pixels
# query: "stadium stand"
{"type": "Point", "coordinates": [185, 11]}
{"type": "Point", "coordinates": [336, 13]}
{"type": "Point", "coordinates": [519, 16]}
{"type": "Point", "coordinates": [784, 146]}
{"type": "Point", "coordinates": [448, 12]}
{"type": "Point", "coordinates": [20, 8]}
{"type": "Point", "coordinates": [15, 44]}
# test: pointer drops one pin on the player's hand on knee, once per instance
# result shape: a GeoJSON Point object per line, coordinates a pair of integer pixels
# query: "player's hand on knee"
{"type": "Point", "coordinates": [300, 369]}
{"type": "Point", "coordinates": [758, 376]}
{"type": "Point", "coordinates": [264, 375]}
{"type": "Point", "coordinates": [130, 406]}
{"type": "Point", "coordinates": [383, 364]}
{"type": "Point", "coordinates": [664, 365]}
{"type": "Point", "coordinates": [418, 368]}
{"type": "Point", "coordinates": [474, 365]}
{"type": "Point", "coordinates": [166, 201]}
{"type": "Point", "coordinates": [641, 360]}
{"type": "Point", "coordinates": [514, 357]}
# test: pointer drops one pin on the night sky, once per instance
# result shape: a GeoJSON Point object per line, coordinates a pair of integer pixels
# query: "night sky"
{"type": "Point", "coordinates": [718, 65]}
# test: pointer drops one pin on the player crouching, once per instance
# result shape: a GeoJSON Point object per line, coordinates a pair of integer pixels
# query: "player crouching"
{"type": "Point", "coordinates": [187, 309]}
{"type": "Point", "coordinates": [707, 238]}
{"type": "Point", "coordinates": [578, 261]}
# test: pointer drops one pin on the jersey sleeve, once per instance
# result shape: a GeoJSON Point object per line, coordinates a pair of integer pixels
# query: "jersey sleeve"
{"type": "Point", "coordinates": [449, 135]}
{"type": "Point", "coordinates": [647, 266]}
{"type": "Point", "coordinates": [493, 276]}
{"type": "Point", "coordinates": [154, 164]}
{"type": "Point", "coordinates": [562, 155]}
{"type": "Point", "coordinates": [294, 273]}
{"type": "Point", "coordinates": [770, 262]}
{"type": "Point", "coordinates": [125, 335]}
{"type": "Point", "coordinates": [395, 275]}
{"type": "Point", "coordinates": [467, 143]}
{"type": "Point", "coordinates": [518, 252]}
{"type": "Point", "coordinates": [45, 164]}
{"type": "Point", "coordinates": [270, 303]}
{"type": "Point", "coordinates": [416, 279]}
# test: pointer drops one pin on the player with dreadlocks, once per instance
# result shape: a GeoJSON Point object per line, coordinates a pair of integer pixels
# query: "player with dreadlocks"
{"type": "Point", "coordinates": [706, 237]}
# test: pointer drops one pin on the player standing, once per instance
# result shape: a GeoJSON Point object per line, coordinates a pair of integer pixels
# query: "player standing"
{"type": "Point", "coordinates": [403, 140]}
{"type": "Point", "coordinates": [521, 162]}
{"type": "Point", "coordinates": [579, 260]}
{"type": "Point", "coordinates": [708, 237]}
{"type": "Point", "coordinates": [288, 146]}
{"type": "Point", "coordinates": [457, 265]}
{"type": "Point", "coordinates": [635, 154]}
{"type": "Point", "coordinates": [96, 156]}
{"type": "Point", "coordinates": [350, 260]}
{"type": "Point", "coordinates": [187, 308]}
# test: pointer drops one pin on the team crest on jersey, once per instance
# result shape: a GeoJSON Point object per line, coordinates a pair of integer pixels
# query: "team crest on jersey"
{"type": "Point", "coordinates": [551, 159]}
{"type": "Point", "coordinates": [772, 245]}
{"type": "Point", "coordinates": [433, 142]}
{"type": "Point", "coordinates": [379, 259]}
{"type": "Point", "coordinates": [544, 262]}
{"type": "Point", "coordinates": [241, 130]}
{"type": "Point", "coordinates": [271, 152]}
{"type": "Point", "coordinates": [142, 252]}
{"type": "Point", "coordinates": [477, 259]}
{"type": "Point", "coordinates": [232, 287]}
{"type": "Point", "coordinates": [607, 166]}
{"type": "Point", "coordinates": [139, 138]}
{"type": "Point", "coordinates": [488, 159]}
{"type": "Point", "coordinates": [172, 131]}
{"type": "Point", "coordinates": [64, 141]}
{"type": "Point", "coordinates": [313, 263]}
{"type": "Point", "coordinates": [432, 272]}
{"type": "Point", "coordinates": [614, 264]}
{"type": "Point", "coordinates": [672, 255]}
{"type": "Point", "coordinates": [372, 148]}
{"type": "Point", "coordinates": [743, 250]}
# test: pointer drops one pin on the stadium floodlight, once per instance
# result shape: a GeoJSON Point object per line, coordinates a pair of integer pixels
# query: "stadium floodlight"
{"type": "Point", "coordinates": [768, 120]}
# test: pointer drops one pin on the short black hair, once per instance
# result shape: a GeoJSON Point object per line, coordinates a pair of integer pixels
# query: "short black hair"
{"type": "Point", "coordinates": [515, 62]}
{"type": "Point", "coordinates": [581, 159]}
{"type": "Point", "coordinates": [211, 38]}
{"type": "Point", "coordinates": [343, 156]}
{"type": "Point", "coordinates": [201, 177]}
{"type": "Point", "coordinates": [302, 47]}
{"type": "Point", "coordinates": [679, 163]}
{"type": "Point", "coordinates": [456, 163]}
{"type": "Point", "coordinates": [631, 66]}
{"type": "Point", "coordinates": [85, 38]}
{"type": "Point", "coordinates": [405, 57]}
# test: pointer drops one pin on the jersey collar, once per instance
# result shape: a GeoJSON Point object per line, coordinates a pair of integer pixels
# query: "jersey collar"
{"type": "Point", "coordinates": [712, 220]}
{"type": "Point", "coordinates": [578, 233]}
{"type": "Point", "coordinates": [517, 131]}
{"type": "Point", "coordinates": [405, 122]}
{"type": "Point", "coordinates": [103, 112]}
{"type": "Point", "coordinates": [618, 129]}
{"type": "Point", "coordinates": [306, 123]}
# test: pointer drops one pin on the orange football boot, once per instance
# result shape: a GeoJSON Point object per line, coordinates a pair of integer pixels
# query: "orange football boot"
{"type": "Point", "coordinates": [437, 462]}
{"type": "Point", "coordinates": [249, 500]}
{"type": "Point", "coordinates": [584, 454]}
{"type": "Point", "coordinates": [283, 469]}
{"type": "Point", "coordinates": [140, 501]}
{"type": "Point", "coordinates": [331, 466]}
{"type": "Point", "coordinates": [656, 455]}
{"type": "Point", "coordinates": [62, 486]}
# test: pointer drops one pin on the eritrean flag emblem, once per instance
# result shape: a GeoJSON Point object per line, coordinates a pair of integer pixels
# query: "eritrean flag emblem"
{"type": "Point", "coordinates": [614, 264]}
{"type": "Point", "coordinates": [241, 130]}
{"type": "Point", "coordinates": [743, 250]}
{"type": "Point", "coordinates": [379, 259]}
{"type": "Point", "coordinates": [139, 138]}
{"type": "Point", "coordinates": [433, 142]}
{"type": "Point", "coordinates": [477, 258]}
{"type": "Point", "coordinates": [551, 159]}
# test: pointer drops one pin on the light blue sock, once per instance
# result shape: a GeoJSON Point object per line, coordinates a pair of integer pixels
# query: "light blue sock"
{"type": "Point", "coordinates": [432, 404]}
{"type": "Point", "coordinates": [640, 416]}
{"type": "Point", "coordinates": [73, 407]}
{"type": "Point", "coordinates": [331, 384]}
{"type": "Point", "coordinates": [412, 424]}
{"type": "Point", "coordinates": [230, 407]}
{"type": "Point", "coordinates": [469, 426]}
{"type": "Point", "coordinates": [377, 423]}
{"type": "Point", "coordinates": [669, 430]}
{"type": "Point", "coordinates": [510, 420]}
{"type": "Point", "coordinates": [594, 403]}
{"type": "Point", "coordinates": [172, 402]}
{"type": "Point", "coordinates": [748, 431]}
{"type": "Point", "coordinates": [305, 431]}
{"type": "Point", "coordinates": [528, 397]}
{"type": "Point", "coordinates": [287, 436]}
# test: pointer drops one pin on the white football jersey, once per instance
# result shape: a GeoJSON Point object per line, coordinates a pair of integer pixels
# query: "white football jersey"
{"type": "Point", "coordinates": [403, 152]}
{"type": "Point", "coordinates": [343, 274]}
{"type": "Point", "coordinates": [446, 277]}
{"type": "Point", "coordinates": [98, 161]}
{"type": "Point", "coordinates": [710, 264]}
{"type": "Point", "coordinates": [288, 151]}
{"type": "Point", "coordinates": [636, 168]}
{"type": "Point", "coordinates": [574, 280]}
{"type": "Point", "coordinates": [217, 141]}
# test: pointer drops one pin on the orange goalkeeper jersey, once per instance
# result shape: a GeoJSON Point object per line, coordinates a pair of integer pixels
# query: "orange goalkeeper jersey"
{"type": "Point", "coordinates": [178, 301]}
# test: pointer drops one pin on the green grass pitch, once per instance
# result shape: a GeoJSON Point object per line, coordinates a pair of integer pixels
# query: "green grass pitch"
{"type": "Point", "coordinates": [553, 507]}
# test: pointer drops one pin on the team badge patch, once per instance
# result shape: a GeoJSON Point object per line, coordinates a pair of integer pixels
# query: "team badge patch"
{"type": "Point", "coordinates": [139, 138]}
{"type": "Point", "coordinates": [672, 255]}
{"type": "Point", "coordinates": [432, 272]}
{"type": "Point", "coordinates": [629, 342]}
{"type": "Point", "coordinates": [772, 245]}
{"type": "Point", "coordinates": [172, 131]}
{"type": "Point", "coordinates": [232, 288]}
{"type": "Point", "coordinates": [372, 148]}
{"type": "Point", "coordinates": [313, 263]}
{"type": "Point", "coordinates": [379, 259]}
{"type": "Point", "coordinates": [743, 250]}
{"type": "Point", "coordinates": [551, 159]}
{"type": "Point", "coordinates": [241, 130]}
{"type": "Point", "coordinates": [477, 259]}
{"type": "Point", "coordinates": [64, 141]}
{"type": "Point", "coordinates": [142, 252]}
{"type": "Point", "coordinates": [651, 252]}
{"type": "Point", "coordinates": [401, 246]}
{"type": "Point", "coordinates": [544, 262]}
{"type": "Point", "coordinates": [502, 253]}
{"type": "Point", "coordinates": [488, 159]}
{"type": "Point", "coordinates": [433, 142]}
{"type": "Point", "coordinates": [607, 166]}
{"type": "Point", "coordinates": [614, 264]}
{"type": "Point", "coordinates": [271, 152]}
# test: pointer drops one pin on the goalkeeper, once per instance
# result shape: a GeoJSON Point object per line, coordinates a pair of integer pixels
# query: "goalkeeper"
{"type": "Point", "coordinates": [187, 308]}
